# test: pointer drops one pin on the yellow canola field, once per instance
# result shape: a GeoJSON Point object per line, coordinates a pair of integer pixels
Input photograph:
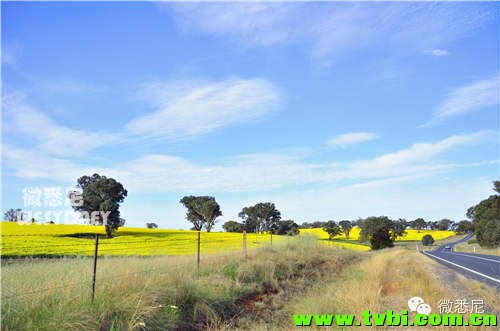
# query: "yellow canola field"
{"type": "Point", "coordinates": [67, 240]}
{"type": "Point", "coordinates": [409, 236]}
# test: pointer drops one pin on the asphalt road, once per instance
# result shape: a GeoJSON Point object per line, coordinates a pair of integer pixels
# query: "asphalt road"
{"type": "Point", "coordinates": [478, 266]}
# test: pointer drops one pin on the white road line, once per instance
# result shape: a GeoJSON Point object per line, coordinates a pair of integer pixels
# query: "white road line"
{"type": "Point", "coordinates": [460, 266]}
{"type": "Point", "coordinates": [477, 257]}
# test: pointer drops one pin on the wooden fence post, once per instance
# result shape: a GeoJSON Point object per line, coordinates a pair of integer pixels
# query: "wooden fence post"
{"type": "Point", "coordinates": [245, 244]}
{"type": "Point", "coordinates": [198, 257]}
{"type": "Point", "coordinates": [95, 265]}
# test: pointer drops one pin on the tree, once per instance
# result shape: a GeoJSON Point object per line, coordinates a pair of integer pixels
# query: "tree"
{"type": "Point", "coordinates": [288, 227]}
{"type": "Point", "coordinates": [433, 225]}
{"type": "Point", "coordinates": [427, 240]}
{"type": "Point", "coordinates": [201, 211]}
{"type": "Point", "coordinates": [152, 225]}
{"type": "Point", "coordinates": [464, 226]}
{"type": "Point", "coordinates": [232, 226]}
{"type": "Point", "coordinates": [332, 229]}
{"type": "Point", "coordinates": [485, 218]}
{"type": "Point", "coordinates": [346, 228]}
{"type": "Point", "coordinates": [399, 228]}
{"type": "Point", "coordinates": [380, 231]}
{"type": "Point", "coordinates": [418, 224]}
{"type": "Point", "coordinates": [318, 224]}
{"type": "Point", "coordinates": [100, 201]}
{"type": "Point", "coordinates": [12, 215]}
{"type": "Point", "coordinates": [444, 224]}
{"type": "Point", "coordinates": [261, 217]}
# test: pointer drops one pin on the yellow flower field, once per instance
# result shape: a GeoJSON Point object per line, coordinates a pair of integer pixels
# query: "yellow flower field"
{"type": "Point", "coordinates": [60, 240]}
{"type": "Point", "coordinates": [410, 234]}
{"type": "Point", "coordinates": [69, 240]}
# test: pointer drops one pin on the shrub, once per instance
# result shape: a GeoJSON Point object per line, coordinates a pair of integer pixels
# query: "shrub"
{"type": "Point", "coordinates": [427, 240]}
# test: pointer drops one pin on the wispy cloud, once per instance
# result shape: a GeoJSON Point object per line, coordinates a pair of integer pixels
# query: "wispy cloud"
{"type": "Point", "coordinates": [346, 139]}
{"type": "Point", "coordinates": [333, 30]}
{"type": "Point", "coordinates": [183, 110]}
{"type": "Point", "coordinates": [246, 173]}
{"type": "Point", "coordinates": [51, 137]}
{"type": "Point", "coordinates": [187, 110]}
{"type": "Point", "coordinates": [437, 52]}
{"type": "Point", "coordinates": [415, 196]}
{"type": "Point", "coordinates": [418, 156]}
{"type": "Point", "coordinates": [469, 98]}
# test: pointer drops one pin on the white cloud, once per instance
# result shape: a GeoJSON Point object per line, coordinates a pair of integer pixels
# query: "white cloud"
{"type": "Point", "coordinates": [469, 98]}
{"type": "Point", "coordinates": [245, 173]}
{"type": "Point", "coordinates": [409, 197]}
{"type": "Point", "coordinates": [422, 152]}
{"type": "Point", "coordinates": [437, 52]}
{"type": "Point", "coordinates": [196, 109]}
{"type": "Point", "coordinates": [333, 30]}
{"type": "Point", "coordinates": [346, 139]}
{"type": "Point", "coordinates": [52, 138]}
{"type": "Point", "coordinates": [258, 24]}
{"type": "Point", "coordinates": [416, 159]}
{"type": "Point", "coordinates": [35, 164]}
{"type": "Point", "coordinates": [184, 110]}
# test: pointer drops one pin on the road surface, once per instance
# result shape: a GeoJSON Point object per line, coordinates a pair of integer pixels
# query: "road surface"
{"type": "Point", "coordinates": [482, 267]}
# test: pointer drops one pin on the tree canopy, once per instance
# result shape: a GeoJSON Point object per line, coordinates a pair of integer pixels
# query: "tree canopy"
{"type": "Point", "coordinates": [418, 224]}
{"type": "Point", "coordinates": [12, 215]}
{"type": "Point", "coordinates": [427, 240]}
{"type": "Point", "coordinates": [332, 228]}
{"type": "Point", "coordinates": [346, 227]}
{"type": "Point", "coordinates": [444, 224]}
{"type": "Point", "coordinates": [287, 227]}
{"type": "Point", "coordinates": [485, 218]}
{"type": "Point", "coordinates": [464, 226]}
{"type": "Point", "coordinates": [101, 198]}
{"type": "Point", "coordinates": [381, 231]}
{"type": "Point", "coordinates": [261, 217]}
{"type": "Point", "coordinates": [202, 211]}
{"type": "Point", "coordinates": [232, 226]}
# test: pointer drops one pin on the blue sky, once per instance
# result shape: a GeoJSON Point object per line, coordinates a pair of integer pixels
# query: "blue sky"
{"type": "Point", "coordinates": [329, 110]}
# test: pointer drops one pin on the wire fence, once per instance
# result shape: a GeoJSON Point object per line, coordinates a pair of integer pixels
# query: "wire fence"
{"type": "Point", "coordinates": [99, 250]}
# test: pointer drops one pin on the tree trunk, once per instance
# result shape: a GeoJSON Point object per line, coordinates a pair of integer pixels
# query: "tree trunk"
{"type": "Point", "coordinates": [108, 231]}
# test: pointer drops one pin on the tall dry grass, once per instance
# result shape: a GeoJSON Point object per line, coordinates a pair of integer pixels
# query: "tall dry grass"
{"type": "Point", "coordinates": [386, 280]}
{"type": "Point", "coordinates": [163, 293]}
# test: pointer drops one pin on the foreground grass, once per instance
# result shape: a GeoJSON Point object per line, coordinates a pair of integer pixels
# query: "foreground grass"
{"type": "Point", "coordinates": [260, 293]}
{"type": "Point", "coordinates": [46, 240]}
{"type": "Point", "coordinates": [158, 293]}
{"type": "Point", "coordinates": [386, 280]}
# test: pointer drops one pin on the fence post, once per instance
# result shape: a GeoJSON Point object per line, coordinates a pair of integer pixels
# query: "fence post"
{"type": "Point", "coordinates": [95, 265]}
{"type": "Point", "coordinates": [271, 238]}
{"type": "Point", "coordinates": [198, 257]}
{"type": "Point", "coordinates": [245, 244]}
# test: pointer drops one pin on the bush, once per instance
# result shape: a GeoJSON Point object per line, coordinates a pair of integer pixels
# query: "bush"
{"type": "Point", "coordinates": [427, 240]}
